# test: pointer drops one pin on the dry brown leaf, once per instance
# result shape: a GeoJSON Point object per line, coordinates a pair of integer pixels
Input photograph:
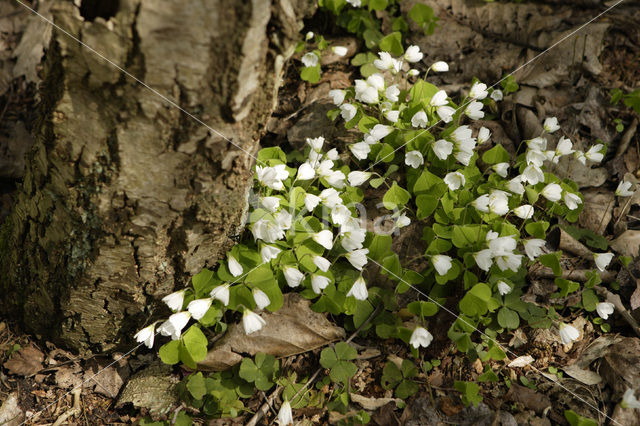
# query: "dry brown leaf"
{"type": "Point", "coordinates": [10, 413]}
{"type": "Point", "coordinates": [587, 377]}
{"type": "Point", "coordinates": [621, 366]}
{"type": "Point", "coordinates": [372, 404]}
{"type": "Point", "coordinates": [110, 379]}
{"type": "Point", "coordinates": [25, 362]}
{"type": "Point", "coordinates": [293, 329]}
{"type": "Point", "coordinates": [531, 399]}
{"type": "Point", "coordinates": [69, 376]}
{"type": "Point", "coordinates": [634, 300]}
{"type": "Point", "coordinates": [597, 212]}
{"type": "Point", "coordinates": [628, 243]}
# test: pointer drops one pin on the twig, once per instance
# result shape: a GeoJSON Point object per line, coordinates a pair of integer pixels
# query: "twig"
{"type": "Point", "coordinates": [617, 303]}
{"type": "Point", "coordinates": [579, 275]}
{"type": "Point", "coordinates": [74, 411]}
{"type": "Point", "coordinates": [626, 138]}
{"type": "Point", "coordinates": [262, 411]}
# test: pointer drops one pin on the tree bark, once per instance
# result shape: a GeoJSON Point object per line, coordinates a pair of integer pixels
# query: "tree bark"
{"type": "Point", "coordinates": [124, 196]}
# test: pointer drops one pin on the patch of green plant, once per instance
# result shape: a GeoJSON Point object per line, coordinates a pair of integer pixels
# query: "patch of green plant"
{"type": "Point", "coordinates": [262, 371]}
{"type": "Point", "coordinates": [575, 419]}
{"type": "Point", "coordinates": [338, 361]}
{"type": "Point", "coordinates": [469, 392]}
{"type": "Point", "coordinates": [400, 379]}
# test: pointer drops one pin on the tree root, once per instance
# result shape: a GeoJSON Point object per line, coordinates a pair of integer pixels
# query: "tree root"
{"type": "Point", "coordinates": [73, 411]}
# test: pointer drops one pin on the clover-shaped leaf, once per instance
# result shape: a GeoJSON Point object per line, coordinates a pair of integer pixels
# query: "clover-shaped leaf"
{"type": "Point", "coordinates": [262, 371]}
{"type": "Point", "coordinates": [338, 361]}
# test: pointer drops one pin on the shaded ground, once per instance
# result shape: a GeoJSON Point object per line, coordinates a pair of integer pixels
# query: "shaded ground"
{"type": "Point", "coordinates": [478, 40]}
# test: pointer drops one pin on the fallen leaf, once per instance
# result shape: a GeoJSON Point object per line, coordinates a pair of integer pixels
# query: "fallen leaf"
{"type": "Point", "coordinates": [521, 361]}
{"type": "Point", "coordinates": [628, 243]}
{"type": "Point", "coordinates": [10, 413]}
{"type": "Point", "coordinates": [372, 404]}
{"type": "Point", "coordinates": [68, 376]}
{"type": "Point", "coordinates": [106, 381]}
{"type": "Point", "coordinates": [587, 377]}
{"type": "Point", "coordinates": [621, 366]}
{"type": "Point", "coordinates": [449, 407]}
{"type": "Point", "coordinates": [634, 300]}
{"type": "Point", "coordinates": [151, 388]}
{"type": "Point", "coordinates": [25, 362]}
{"type": "Point", "coordinates": [597, 212]}
{"type": "Point", "coordinates": [531, 399]}
{"type": "Point", "coordinates": [293, 329]}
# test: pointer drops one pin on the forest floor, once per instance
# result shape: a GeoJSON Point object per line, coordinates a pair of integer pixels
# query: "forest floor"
{"type": "Point", "coordinates": [37, 377]}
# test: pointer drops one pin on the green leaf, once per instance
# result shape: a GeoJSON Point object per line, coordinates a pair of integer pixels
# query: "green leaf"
{"type": "Point", "coordinates": [589, 300]}
{"type": "Point", "coordinates": [496, 155]}
{"type": "Point", "coordinates": [345, 351]}
{"type": "Point", "coordinates": [396, 197]}
{"type": "Point", "coordinates": [196, 385]}
{"type": "Point", "coordinates": [392, 43]}
{"type": "Point", "coordinates": [475, 301]}
{"type": "Point", "coordinates": [575, 419]}
{"type": "Point", "coordinates": [426, 205]}
{"type": "Point", "coordinates": [272, 153]}
{"type": "Point", "coordinates": [380, 247]}
{"type": "Point", "coordinates": [537, 229]}
{"type": "Point", "coordinates": [338, 362]}
{"type": "Point", "coordinates": [552, 260]}
{"type": "Point", "coordinates": [169, 352]}
{"type": "Point", "coordinates": [378, 4]}
{"type": "Point", "coordinates": [311, 74]}
{"type": "Point", "coordinates": [422, 309]}
{"type": "Point", "coordinates": [421, 91]}
{"type": "Point", "coordinates": [508, 318]}
{"type": "Point", "coordinates": [334, 6]}
{"type": "Point", "coordinates": [466, 235]}
{"type": "Point", "coordinates": [195, 342]}
{"type": "Point", "coordinates": [421, 13]}
{"type": "Point", "coordinates": [406, 388]}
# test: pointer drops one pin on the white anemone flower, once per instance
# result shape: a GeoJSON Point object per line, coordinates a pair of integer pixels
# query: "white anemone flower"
{"type": "Point", "coordinates": [439, 99]}
{"type": "Point", "coordinates": [340, 214]}
{"type": "Point", "coordinates": [402, 221]}
{"type": "Point", "coordinates": [358, 258]}
{"type": "Point", "coordinates": [551, 124]}
{"type": "Point", "coordinates": [602, 260]}
{"type": "Point", "coordinates": [483, 135]}
{"type": "Point", "coordinates": [442, 263]}
{"type": "Point", "coordinates": [235, 267]}
{"type": "Point", "coordinates": [252, 322]}
{"type": "Point", "coordinates": [571, 200]}
{"type": "Point", "coordinates": [272, 177]}
{"type": "Point", "coordinates": [413, 54]}
{"type": "Point", "coordinates": [175, 300]}
{"type": "Point", "coordinates": [604, 309]}
{"type": "Point", "coordinates": [440, 66]}
{"type": "Point", "coordinates": [533, 247]}
{"type": "Point", "coordinates": [624, 189]}
{"type": "Point", "coordinates": [595, 153]}
{"type": "Point", "coordinates": [146, 335]}
{"type": "Point", "coordinates": [420, 337]}
{"type": "Point", "coordinates": [311, 201]}
{"type": "Point", "coordinates": [474, 110]}
{"type": "Point", "coordinates": [552, 192]}
{"type": "Point", "coordinates": [322, 263]}
{"type": "Point", "coordinates": [568, 333]}
{"type": "Point", "coordinates": [454, 180]}
{"type": "Point", "coordinates": [497, 95]}
{"type": "Point", "coordinates": [330, 197]}
{"type": "Point", "coordinates": [221, 293]}
{"type": "Point", "coordinates": [524, 211]}
{"type": "Point", "coordinates": [478, 91]}
{"type": "Point", "coordinates": [270, 203]}
{"type": "Point", "coordinates": [293, 276]}
{"type": "Point", "coordinates": [309, 59]}
{"type": "Point", "coordinates": [392, 115]}
{"type": "Point", "coordinates": [420, 119]}
{"type": "Point", "coordinates": [199, 307]}
{"type": "Point", "coordinates": [174, 324]}
{"type": "Point", "coordinates": [324, 238]}
{"type": "Point", "coordinates": [629, 400]}
{"type": "Point", "coordinates": [268, 253]}
{"type": "Point", "coordinates": [499, 203]}
{"type": "Point", "coordinates": [340, 50]}
{"type": "Point", "coordinates": [357, 178]}
{"type": "Point", "coordinates": [442, 148]}
{"type": "Point", "coordinates": [446, 113]}
{"type": "Point", "coordinates": [261, 298]}
{"type": "Point", "coordinates": [413, 159]}
{"type": "Point", "coordinates": [501, 169]}
{"type": "Point", "coordinates": [503, 288]}
{"type": "Point", "coordinates": [337, 96]}
{"type": "Point", "coordinates": [532, 174]}
{"type": "Point", "coordinates": [348, 111]}
{"type": "Point", "coordinates": [481, 203]}
{"type": "Point", "coordinates": [392, 93]}
{"type": "Point", "coordinates": [285, 416]}
{"type": "Point", "coordinates": [484, 259]}
{"type": "Point", "coordinates": [360, 150]}
{"type": "Point", "coordinates": [319, 283]}
{"type": "Point", "coordinates": [359, 289]}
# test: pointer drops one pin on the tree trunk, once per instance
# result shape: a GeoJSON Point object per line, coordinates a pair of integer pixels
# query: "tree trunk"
{"type": "Point", "coordinates": [124, 196]}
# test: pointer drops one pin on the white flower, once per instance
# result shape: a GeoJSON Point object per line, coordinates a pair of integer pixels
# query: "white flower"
{"type": "Point", "coordinates": [446, 113]}
{"type": "Point", "coordinates": [483, 135]}
{"type": "Point", "coordinates": [525, 211]}
{"type": "Point", "coordinates": [310, 59]}
{"type": "Point", "coordinates": [532, 174]}
{"type": "Point", "coordinates": [402, 221]}
{"type": "Point", "coordinates": [272, 176]}
{"type": "Point", "coordinates": [330, 197]}
{"type": "Point", "coordinates": [365, 92]}
{"type": "Point", "coordinates": [306, 171]}
{"type": "Point", "coordinates": [515, 186]}
{"type": "Point", "coordinates": [199, 307]}
{"type": "Point", "coordinates": [252, 322]}
{"type": "Point", "coordinates": [392, 93]}
{"type": "Point", "coordinates": [440, 66]}
{"type": "Point", "coordinates": [604, 309]}
{"type": "Point", "coordinates": [308, 36]}
{"type": "Point", "coordinates": [319, 283]}
{"type": "Point", "coordinates": [564, 147]}
{"type": "Point", "coordinates": [629, 399]}
{"type": "Point", "coordinates": [439, 99]}
{"type": "Point", "coordinates": [360, 150]}
{"type": "Point", "coordinates": [322, 263]}
{"type": "Point", "coordinates": [379, 131]}
{"type": "Point", "coordinates": [552, 192]}
{"type": "Point", "coordinates": [568, 333]}
{"type": "Point", "coordinates": [337, 96]}
{"type": "Point", "coordinates": [324, 238]}
{"type": "Point", "coordinates": [413, 159]}
{"type": "Point", "coordinates": [311, 201]}
{"type": "Point", "coordinates": [535, 157]}
{"type": "Point", "coordinates": [221, 293]}
{"type": "Point", "coordinates": [442, 263]}
{"type": "Point", "coordinates": [419, 119]}
{"type": "Point", "coordinates": [481, 203]}
{"type": "Point", "coordinates": [474, 110]}
{"type": "Point", "coordinates": [483, 259]}
{"type": "Point", "coordinates": [509, 261]}
{"type": "Point", "coordinates": [413, 54]}
{"type": "Point", "coordinates": [268, 253]}
{"type": "Point", "coordinates": [336, 179]}
{"type": "Point", "coordinates": [359, 289]}
{"type": "Point", "coordinates": [376, 80]}
{"type": "Point", "coordinates": [293, 276]}
{"type": "Point", "coordinates": [283, 219]}
{"type": "Point", "coordinates": [533, 247]}
{"type": "Point", "coordinates": [623, 189]}
{"type": "Point", "coordinates": [572, 200]}
{"type": "Point", "coordinates": [358, 258]}
{"type": "Point", "coordinates": [174, 324]}
{"type": "Point", "coordinates": [357, 178]}
{"type": "Point", "coordinates": [392, 115]}
{"type": "Point", "coordinates": [339, 50]}
{"type": "Point", "coordinates": [595, 153]}
{"type": "Point", "coordinates": [454, 180]}
{"type": "Point", "coordinates": [387, 63]}
{"type": "Point", "coordinates": [497, 95]}
{"type": "Point", "coordinates": [413, 73]}
{"type": "Point", "coordinates": [478, 91]}
{"type": "Point", "coordinates": [602, 260]}
{"type": "Point", "coordinates": [270, 203]}
{"type": "Point", "coordinates": [325, 168]}
{"type": "Point", "coordinates": [348, 111]}
{"type": "Point", "coordinates": [503, 288]}
{"type": "Point", "coordinates": [420, 337]}
{"type": "Point", "coordinates": [499, 203]}
{"type": "Point", "coordinates": [261, 298]}
{"type": "Point", "coordinates": [501, 169]}
{"type": "Point", "coordinates": [442, 149]}
{"type": "Point", "coordinates": [175, 300]}
{"type": "Point", "coordinates": [315, 143]}
{"type": "Point", "coordinates": [146, 335]}
{"type": "Point", "coordinates": [285, 416]}
{"type": "Point", "coordinates": [551, 124]}
{"type": "Point", "coordinates": [580, 157]}
{"type": "Point", "coordinates": [340, 214]}
{"type": "Point", "coordinates": [235, 267]}
{"type": "Point", "coordinates": [353, 239]}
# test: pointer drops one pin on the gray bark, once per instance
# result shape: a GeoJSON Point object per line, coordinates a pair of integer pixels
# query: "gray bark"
{"type": "Point", "coordinates": [124, 196]}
